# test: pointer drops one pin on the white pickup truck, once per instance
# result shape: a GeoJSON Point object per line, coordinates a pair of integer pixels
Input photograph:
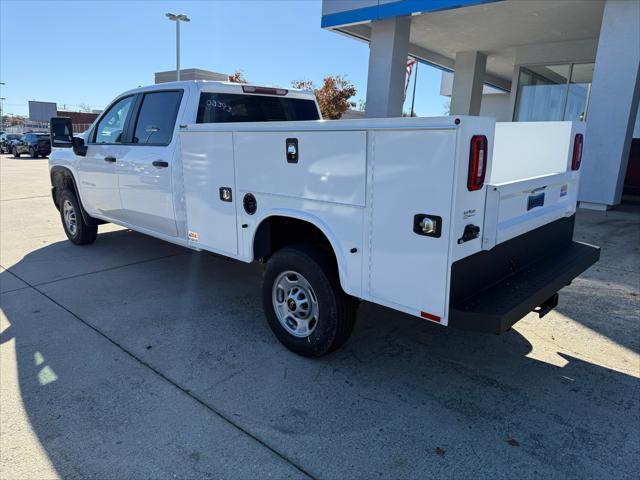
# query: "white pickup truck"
{"type": "Point", "coordinates": [456, 220]}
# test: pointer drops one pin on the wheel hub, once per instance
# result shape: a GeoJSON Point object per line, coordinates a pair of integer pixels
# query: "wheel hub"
{"type": "Point", "coordinates": [291, 303]}
{"type": "Point", "coordinates": [295, 304]}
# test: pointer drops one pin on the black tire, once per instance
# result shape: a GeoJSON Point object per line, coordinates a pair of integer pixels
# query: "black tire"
{"type": "Point", "coordinates": [336, 309]}
{"type": "Point", "coordinates": [15, 153]}
{"type": "Point", "coordinates": [32, 153]}
{"type": "Point", "coordinates": [85, 233]}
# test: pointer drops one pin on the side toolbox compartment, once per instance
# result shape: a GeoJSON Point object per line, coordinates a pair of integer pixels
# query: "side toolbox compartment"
{"type": "Point", "coordinates": [411, 179]}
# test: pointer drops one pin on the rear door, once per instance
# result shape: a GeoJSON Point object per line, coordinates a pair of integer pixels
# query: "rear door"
{"type": "Point", "coordinates": [145, 169]}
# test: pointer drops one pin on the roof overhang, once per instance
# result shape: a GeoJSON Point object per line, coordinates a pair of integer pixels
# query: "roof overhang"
{"type": "Point", "coordinates": [498, 28]}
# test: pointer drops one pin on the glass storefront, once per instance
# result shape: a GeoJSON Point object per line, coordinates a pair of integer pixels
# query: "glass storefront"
{"type": "Point", "coordinates": [553, 92]}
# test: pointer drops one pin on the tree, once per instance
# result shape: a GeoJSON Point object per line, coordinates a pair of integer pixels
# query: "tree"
{"type": "Point", "coordinates": [237, 77]}
{"type": "Point", "coordinates": [447, 107]}
{"type": "Point", "coordinates": [333, 96]}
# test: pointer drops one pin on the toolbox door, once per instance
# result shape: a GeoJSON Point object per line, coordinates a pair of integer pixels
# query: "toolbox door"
{"type": "Point", "coordinates": [412, 175]}
{"type": "Point", "coordinates": [209, 186]}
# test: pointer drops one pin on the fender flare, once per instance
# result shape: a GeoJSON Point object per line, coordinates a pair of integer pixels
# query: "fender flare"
{"type": "Point", "coordinates": [317, 222]}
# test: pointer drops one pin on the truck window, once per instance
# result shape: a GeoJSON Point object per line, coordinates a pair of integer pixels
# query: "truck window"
{"type": "Point", "coordinates": [230, 107]}
{"type": "Point", "coordinates": [111, 126]}
{"type": "Point", "coordinates": [157, 118]}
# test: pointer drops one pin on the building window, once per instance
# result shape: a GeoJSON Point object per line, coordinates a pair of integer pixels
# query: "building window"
{"type": "Point", "coordinates": [553, 92]}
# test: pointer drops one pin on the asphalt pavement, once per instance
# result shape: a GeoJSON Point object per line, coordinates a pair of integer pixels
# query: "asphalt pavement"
{"type": "Point", "coordinates": [135, 358]}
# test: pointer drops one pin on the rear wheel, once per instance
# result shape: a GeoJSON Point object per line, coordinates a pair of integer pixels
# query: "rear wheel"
{"type": "Point", "coordinates": [303, 302]}
{"type": "Point", "coordinates": [76, 229]}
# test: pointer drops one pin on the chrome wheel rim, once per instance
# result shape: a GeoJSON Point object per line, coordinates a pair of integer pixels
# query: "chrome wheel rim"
{"type": "Point", "coordinates": [295, 304]}
{"type": "Point", "coordinates": [69, 214]}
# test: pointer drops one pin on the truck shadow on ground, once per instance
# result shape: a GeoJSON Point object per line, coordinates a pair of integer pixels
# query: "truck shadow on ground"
{"type": "Point", "coordinates": [100, 369]}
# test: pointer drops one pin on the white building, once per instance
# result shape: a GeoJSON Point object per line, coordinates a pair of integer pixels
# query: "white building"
{"type": "Point", "coordinates": [555, 59]}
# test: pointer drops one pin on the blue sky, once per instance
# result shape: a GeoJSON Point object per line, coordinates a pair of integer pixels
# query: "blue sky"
{"type": "Point", "coordinates": [87, 52]}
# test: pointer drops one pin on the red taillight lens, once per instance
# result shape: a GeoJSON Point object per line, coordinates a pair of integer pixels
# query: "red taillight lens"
{"type": "Point", "coordinates": [477, 162]}
{"type": "Point", "coordinates": [577, 152]}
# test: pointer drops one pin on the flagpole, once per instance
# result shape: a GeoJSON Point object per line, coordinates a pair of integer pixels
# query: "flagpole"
{"type": "Point", "coordinates": [415, 80]}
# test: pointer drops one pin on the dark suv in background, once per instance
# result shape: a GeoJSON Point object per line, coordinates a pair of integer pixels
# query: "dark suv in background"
{"type": "Point", "coordinates": [6, 140]}
{"type": "Point", "coordinates": [35, 144]}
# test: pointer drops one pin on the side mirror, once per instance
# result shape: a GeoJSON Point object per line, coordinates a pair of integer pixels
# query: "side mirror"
{"type": "Point", "coordinates": [61, 132]}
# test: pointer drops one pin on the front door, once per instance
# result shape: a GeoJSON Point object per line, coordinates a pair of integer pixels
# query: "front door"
{"type": "Point", "coordinates": [145, 171]}
{"type": "Point", "coordinates": [98, 180]}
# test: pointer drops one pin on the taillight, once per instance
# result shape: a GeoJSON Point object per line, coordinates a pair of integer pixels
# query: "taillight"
{"type": "Point", "coordinates": [477, 162]}
{"type": "Point", "coordinates": [577, 152]}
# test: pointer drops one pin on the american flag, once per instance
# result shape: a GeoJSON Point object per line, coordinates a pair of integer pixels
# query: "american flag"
{"type": "Point", "coordinates": [410, 63]}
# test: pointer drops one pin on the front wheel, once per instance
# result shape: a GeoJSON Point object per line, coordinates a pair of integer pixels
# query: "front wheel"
{"type": "Point", "coordinates": [77, 230]}
{"type": "Point", "coordinates": [15, 153]}
{"type": "Point", "coordinates": [303, 302]}
{"type": "Point", "coordinates": [32, 153]}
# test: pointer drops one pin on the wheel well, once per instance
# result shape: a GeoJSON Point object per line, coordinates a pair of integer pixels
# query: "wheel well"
{"type": "Point", "coordinates": [277, 232]}
{"type": "Point", "coordinates": [61, 178]}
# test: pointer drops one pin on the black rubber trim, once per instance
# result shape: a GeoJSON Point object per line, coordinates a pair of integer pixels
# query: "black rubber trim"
{"type": "Point", "coordinates": [492, 290]}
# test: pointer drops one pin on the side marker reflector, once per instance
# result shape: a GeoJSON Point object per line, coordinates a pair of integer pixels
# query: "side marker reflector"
{"type": "Point", "coordinates": [428, 316]}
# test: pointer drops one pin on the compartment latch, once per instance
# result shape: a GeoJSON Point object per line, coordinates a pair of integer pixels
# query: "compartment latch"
{"type": "Point", "coordinates": [470, 232]}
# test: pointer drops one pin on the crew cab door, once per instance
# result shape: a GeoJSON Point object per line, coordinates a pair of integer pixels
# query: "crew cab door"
{"type": "Point", "coordinates": [97, 170]}
{"type": "Point", "coordinates": [145, 170]}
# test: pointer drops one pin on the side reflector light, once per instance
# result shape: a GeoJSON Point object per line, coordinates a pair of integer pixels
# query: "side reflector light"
{"type": "Point", "coordinates": [264, 90]}
{"type": "Point", "coordinates": [576, 159]}
{"type": "Point", "coordinates": [477, 162]}
{"type": "Point", "coordinates": [431, 317]}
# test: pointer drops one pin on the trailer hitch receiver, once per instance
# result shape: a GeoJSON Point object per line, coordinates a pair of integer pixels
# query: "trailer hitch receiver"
{"type": "Point", "coordinates": [548, 305]}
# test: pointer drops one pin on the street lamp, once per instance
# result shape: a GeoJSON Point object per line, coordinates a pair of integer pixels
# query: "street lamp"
{"type": "Point", "coordinates": [178, 18]}
{"type": "Point", "coordinates": [1, 112]}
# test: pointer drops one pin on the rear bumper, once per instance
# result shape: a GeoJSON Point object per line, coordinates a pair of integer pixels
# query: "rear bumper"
{"type": "Point", "coordinates": [492, 290]}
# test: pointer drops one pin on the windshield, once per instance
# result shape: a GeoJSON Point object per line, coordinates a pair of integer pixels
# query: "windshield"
{"type": "Point", "coordinates": [229, 107]}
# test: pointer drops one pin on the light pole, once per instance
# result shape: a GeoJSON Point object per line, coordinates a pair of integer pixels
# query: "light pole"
{"type": "Point", "coordinates": [1, 111]}
{"type": "Point", "coordinates": [181, 17]}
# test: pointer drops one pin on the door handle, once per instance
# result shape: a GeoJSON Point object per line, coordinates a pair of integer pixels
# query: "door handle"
{"type": "Point", "coordinates": [110, 159]}
{"type": "Point", "coordinates": [160, 163]}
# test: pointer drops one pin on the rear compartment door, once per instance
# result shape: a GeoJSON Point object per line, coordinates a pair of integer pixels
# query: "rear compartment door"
{"type": "Point", "coordinates": [516, 208]}
{"type": "Point", "coordinates": [411, 173]}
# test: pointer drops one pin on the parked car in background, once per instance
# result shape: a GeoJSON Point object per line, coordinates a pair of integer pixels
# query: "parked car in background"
{"type": "Point", "coordinates": [35, 144]}
{"type": "Point", "coordinates": [5, 140]}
